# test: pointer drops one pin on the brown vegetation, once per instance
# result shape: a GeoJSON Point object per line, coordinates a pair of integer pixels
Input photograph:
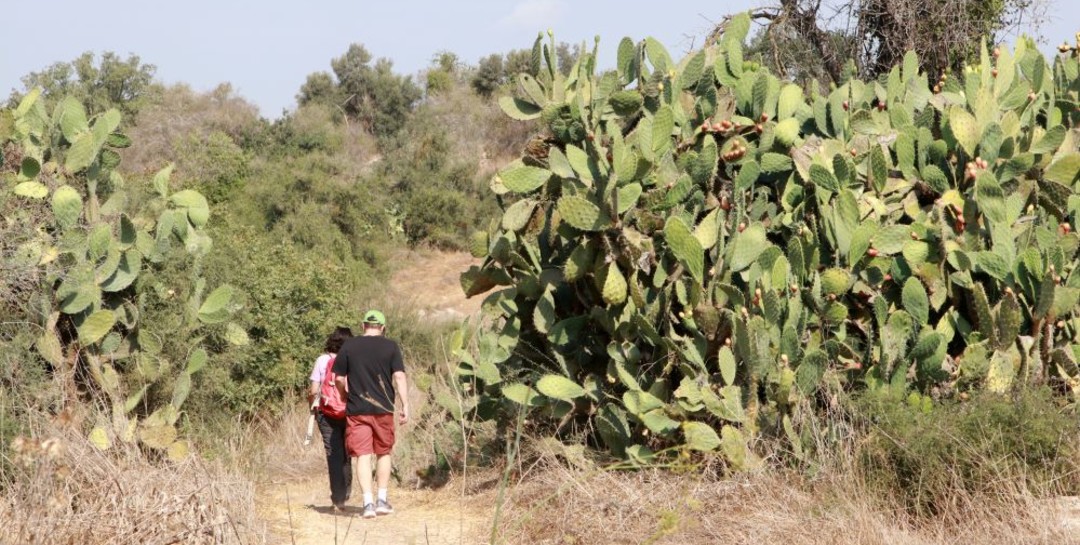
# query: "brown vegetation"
{"type": "Point", "coordinates": [60, 489]}
{"type": "Point", "coordinates": [560, 504]}
{"type": "Point", "coordinates": [183, 113]}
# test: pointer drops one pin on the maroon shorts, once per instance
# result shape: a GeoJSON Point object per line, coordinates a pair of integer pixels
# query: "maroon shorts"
{"type": "Point", "coordinates": [369, 433]}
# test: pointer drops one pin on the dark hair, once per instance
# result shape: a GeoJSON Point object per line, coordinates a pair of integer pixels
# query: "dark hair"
{"type": "Point", "coordinates": [337, 338]}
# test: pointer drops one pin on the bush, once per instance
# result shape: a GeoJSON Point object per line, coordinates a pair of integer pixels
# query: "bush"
{"type": "Point", "coordinates": [215, 164]}
{"type": "Point", "coordinates": [925, 454]}
{"type": "Point", "coordinates": [291, 299]}
{"type": "Point", "coordinates": [182, 113]}
{"type": "Point", "coordinates": [313, 127]}
{"type": "Point", "coordinates": [436, 216]}
{"type": "Point", "coordinates": [438, 81]}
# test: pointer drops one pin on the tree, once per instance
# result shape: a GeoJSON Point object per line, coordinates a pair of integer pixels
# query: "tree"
{"type": "Point", "coordinates": [445, 70]}
{"type": "Point", "coordinates": [319, 88]}
{"type": "Point", "coordinates": [566, 55]}
{"type": "Point", "coordinates": [811, 38]}
{"type": "Point", "coordinates": [489, 75]}
{"type": "Point", "coordinates": [447, 61]}
{"type": "Point", "coordinates": [126, 84]}
{"type": "Point", "coordinates": [519, 61]}
{"type": "Point", "coordinates": [374, 95]}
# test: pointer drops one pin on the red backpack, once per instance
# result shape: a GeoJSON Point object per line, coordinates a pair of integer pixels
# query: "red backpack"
{"type": "Point", "coordinates": [330, 402]}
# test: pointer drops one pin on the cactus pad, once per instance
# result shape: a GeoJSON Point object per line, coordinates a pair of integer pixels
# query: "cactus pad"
{"type": "Point", "coordinates": [685, 247]}
{"type": "Point", "coordinates": [582, 214]}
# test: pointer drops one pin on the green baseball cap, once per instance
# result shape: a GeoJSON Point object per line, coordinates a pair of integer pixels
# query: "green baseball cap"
{"type": "Point", "coordinates": [374, 317]}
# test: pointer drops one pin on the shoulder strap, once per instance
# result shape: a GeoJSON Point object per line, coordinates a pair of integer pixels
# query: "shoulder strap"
{"type": "Point", "coordinates": [329, 371]}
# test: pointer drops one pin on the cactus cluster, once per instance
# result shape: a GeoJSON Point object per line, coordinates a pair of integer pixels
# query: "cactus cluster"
{"type": "Point", "coordinates": [700, 245]}
{"type": "Point", "coordinates": [91, 247]}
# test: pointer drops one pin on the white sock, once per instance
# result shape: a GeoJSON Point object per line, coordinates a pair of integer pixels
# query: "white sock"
{"type": "Point", "coordinates": [367, 498]}
{"type": "Point", "coordinates": [382, 494]}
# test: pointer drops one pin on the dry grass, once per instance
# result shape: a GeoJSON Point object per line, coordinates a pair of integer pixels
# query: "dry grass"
{"type": "Point", "coordinates": [478, 129]}
{"type": "Point", "coordinates": [60, 489]}
{"type": "Point", "coordinates": [560, 502]}
{"type": "Point", "coordinates": [273, 450]}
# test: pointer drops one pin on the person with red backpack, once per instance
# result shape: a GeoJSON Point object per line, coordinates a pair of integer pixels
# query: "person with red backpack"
{"type": "Point", "coordinates": [328, 406]}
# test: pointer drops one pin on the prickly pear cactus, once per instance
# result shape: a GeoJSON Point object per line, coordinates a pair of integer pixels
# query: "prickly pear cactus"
{"type": "Point", "coordinates": [707, 245]}
{"type": "Point", "coordinates": [91, 248]}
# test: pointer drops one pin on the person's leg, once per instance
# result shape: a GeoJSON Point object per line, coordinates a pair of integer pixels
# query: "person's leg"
{"type": "Point", "coordinates": [358, 441]}
{"type": "Point", "coordinates": [329, 436]}
{"type": "Point", "coordinates": [383, 466]}
{"type": "Point", "coordinates": [364, 467]}
{"type": "Point", "coordinates": [339, 464]}
{"type": "Point", "coordinates": [383, 444]}
{"type": "Point", "coordinates": [346, 465]}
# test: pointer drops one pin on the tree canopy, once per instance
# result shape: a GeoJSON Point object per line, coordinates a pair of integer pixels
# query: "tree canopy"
{"type": "Point", "coordinates": [805, 39]}
{"type": "Point", "coordinates": [114, 82]}
{"type": "Point", "coordinates": [371, 93]}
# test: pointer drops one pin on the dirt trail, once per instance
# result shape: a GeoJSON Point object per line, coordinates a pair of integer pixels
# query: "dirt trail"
{"type": "Point", "coordinates": [300, 513]}
{"type": "Point", "coordinates": [431, 284]}
{"type": "Point", "coordinates": [422, 517]}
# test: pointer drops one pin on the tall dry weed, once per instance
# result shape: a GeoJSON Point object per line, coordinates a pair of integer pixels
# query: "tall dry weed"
{"type": "Point", "coordinates": [564, 498]}
{"type": "Point", "coordinates": [60, 489]}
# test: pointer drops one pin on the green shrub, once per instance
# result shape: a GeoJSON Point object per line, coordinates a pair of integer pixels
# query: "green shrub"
{"type": "Point", "coordinates": [216, 166]}
{"type": "Point", "coordinates": [436, 216]}
{"type": "Point", "coordinates": [290, 300]}
{"type": "Point", "coordinates": [926, 454]}
{"type": "Point", "coordinates": [438, 81]}
{"type": "Point", "coordinates": [96, 310]}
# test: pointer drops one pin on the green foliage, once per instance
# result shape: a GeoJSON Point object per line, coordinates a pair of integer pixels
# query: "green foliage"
{"type": "Point", "coordinates": [924, 454]}
{"type": "Point", "coordinates": [437, 81]}
{"type": "Point", "coordinates": [114, 82]}
{"type": "Point", "coordinates": [435, 215]}
{"type": "Point", "coordinates": [812, 253]}
{"type": "Point", "coordinates": [95, 250]}
{"type": "Point", "coordinates": [494, 71]}
{"type": "Point", "coordinates": [489, 75]}
{"type": "Point", "coordinates": [372, 94]}
{"type": "Point", "coordinates": [320, 88]}
{"type": "Point", "coordinates": [289, 298]}
{"type": "Point", "coordinates": [434, 184]}
{"type": "Point", "coordinates": [219, 166]}
{"type": "Point", "coordinates": [302, 198]}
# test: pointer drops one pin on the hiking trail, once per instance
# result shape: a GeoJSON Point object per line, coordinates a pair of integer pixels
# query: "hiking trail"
{"type": "Point", "coordinates": [431, 284]}
{"type": "Point", "coordinates": [299, 512]}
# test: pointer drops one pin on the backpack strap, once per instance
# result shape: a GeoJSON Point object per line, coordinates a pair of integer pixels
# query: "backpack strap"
{"type": "Point", "coordinates": [328, 369]}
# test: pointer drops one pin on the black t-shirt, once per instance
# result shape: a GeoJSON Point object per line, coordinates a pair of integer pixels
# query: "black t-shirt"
{"type": "Point", "coordinates": [370, 364]}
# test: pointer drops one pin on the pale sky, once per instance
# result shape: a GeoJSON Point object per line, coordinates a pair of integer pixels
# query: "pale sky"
{"type": "Point", "coordinates": [266, 48]}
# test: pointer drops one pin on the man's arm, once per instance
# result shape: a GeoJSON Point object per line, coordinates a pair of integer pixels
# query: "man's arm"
{"type": "Point", "coordinates": [340, 383]}
{"type": "Point", "coordinates": [401, 388]}
{"type": "Point", "coordinates": [341, 369]}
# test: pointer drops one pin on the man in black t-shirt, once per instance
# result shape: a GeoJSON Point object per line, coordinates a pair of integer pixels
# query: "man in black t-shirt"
{"type": "Point", "coordinates": [372, 367]}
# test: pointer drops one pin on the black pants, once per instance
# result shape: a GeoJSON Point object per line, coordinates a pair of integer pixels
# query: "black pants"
{"type": "Point", "coordinates": [338, 463]}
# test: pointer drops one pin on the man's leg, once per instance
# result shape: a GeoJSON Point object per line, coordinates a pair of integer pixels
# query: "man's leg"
{"type": "Point", "coordinates": [364, 466]}
{"type": "Point", "coordinates": [358, 439]}
{"type": "Point", "coordinates": [383, 443]}
{"type": "Point", "coordinates": [383, 466]}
